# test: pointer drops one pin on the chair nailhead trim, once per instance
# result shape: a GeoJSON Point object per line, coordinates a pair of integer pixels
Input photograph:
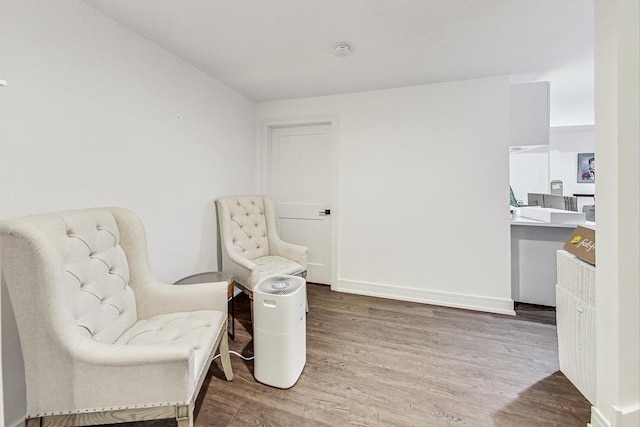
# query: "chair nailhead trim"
{"type": "Point", "coordinates": [110, 408]}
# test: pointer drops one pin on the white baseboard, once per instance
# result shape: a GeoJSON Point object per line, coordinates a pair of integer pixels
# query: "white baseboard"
{"type": "Point", "coordinates": [629, 416]}
{"type": "Point", "coordinates": [447, 299]}
{"type": "Point", "coordinates": [623, 417]}
{"type": "Point", "coordinates": [598, 419]}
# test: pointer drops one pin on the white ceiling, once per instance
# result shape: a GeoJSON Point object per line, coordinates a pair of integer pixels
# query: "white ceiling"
{"type": "Point", "coordinates": [283, 49]}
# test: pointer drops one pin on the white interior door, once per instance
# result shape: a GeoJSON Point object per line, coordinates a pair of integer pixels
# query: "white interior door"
{"type": "Point", "coordinates": [301, 189]}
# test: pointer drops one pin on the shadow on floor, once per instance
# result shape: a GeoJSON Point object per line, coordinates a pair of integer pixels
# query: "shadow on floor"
{"type": "Point", "coordinates": [526, 405]}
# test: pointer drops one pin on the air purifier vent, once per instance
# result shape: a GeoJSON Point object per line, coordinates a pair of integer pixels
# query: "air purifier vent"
{"type": "Point", "coordinates": [279, 285]}
{"type": "Point", "coordinates": [280, 288]}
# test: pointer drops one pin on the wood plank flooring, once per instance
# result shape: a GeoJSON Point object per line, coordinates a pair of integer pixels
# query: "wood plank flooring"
{"type": "Point", "coordinates": [380, 362]}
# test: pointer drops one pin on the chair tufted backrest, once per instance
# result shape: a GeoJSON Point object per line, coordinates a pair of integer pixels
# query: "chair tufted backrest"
{"type": "Point", "coordinates": [91, 271]}
{"type": "Point", "coordinates": [97, 276]}
{"type": "Point", "coordinates": [247, 225]}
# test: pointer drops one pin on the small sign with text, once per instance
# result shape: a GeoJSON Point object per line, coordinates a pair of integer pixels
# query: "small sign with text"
{"type": "Point", "coordinates": [582, 243]}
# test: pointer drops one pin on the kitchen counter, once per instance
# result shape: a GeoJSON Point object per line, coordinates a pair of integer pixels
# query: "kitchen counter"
{"type": "Point", "coordinates": [533, 258]}
{"type": "Point", "coordinates": [535, 223]}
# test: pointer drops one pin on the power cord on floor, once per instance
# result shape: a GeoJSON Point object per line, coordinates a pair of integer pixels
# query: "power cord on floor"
{"type": "Point", "coordinates": [235, 353]}
{"type": "Point", "coordinates": [241, 356]}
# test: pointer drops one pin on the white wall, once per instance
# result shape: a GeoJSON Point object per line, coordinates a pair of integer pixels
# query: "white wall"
{"type": "Point", "coordinates": [564, 146]}
{"type": "Point", "coordinates": [95, 115]}
{"type": "Point", "coordinates": [571, 90]}
{"type": "Point", "coordinates": [529, 172]}
{"type": "Point", "coordinates": [423, 190]}
{"type": "Point", "coordinates": [618, 192]}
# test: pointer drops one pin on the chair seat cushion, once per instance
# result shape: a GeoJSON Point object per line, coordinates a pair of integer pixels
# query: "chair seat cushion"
{"type": "Point", "coordinates": [192, 328]}
{"type": "Point", "coordinates": [273, 264]}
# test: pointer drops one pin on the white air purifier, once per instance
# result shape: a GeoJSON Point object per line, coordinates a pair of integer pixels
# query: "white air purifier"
{"type": "Point", "coordinates": [279, 330]}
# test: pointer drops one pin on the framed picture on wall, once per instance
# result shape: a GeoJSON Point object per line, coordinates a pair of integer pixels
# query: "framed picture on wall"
{"type": "Point", "coordinates": [586, 167]}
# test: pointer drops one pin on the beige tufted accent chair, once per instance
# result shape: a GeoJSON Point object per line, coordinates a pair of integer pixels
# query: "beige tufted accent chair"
{"type": "Point", "coordinates": [250, 245]}
{"type": "Point", "coordinates": [102, 340]}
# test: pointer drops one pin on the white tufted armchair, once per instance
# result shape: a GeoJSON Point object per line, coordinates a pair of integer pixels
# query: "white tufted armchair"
{"type": "Point", "coordinates": [251, 247]}
{"type": "Point", "coordinates": [102, 340]}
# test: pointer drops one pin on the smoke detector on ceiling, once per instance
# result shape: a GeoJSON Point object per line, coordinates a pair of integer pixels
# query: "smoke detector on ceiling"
{"type": "Point", "coordinates": [342, 49]}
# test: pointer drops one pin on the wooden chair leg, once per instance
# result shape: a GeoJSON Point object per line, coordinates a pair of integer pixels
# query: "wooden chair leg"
{"type": "Point", "coordinates": [306, 301]}
{"type": "Point", "coordinates": [251, 309]}
{"type": "Point", "coordinates": [184, 416]}
{"type": "Point", "coordinates": [33, 422]}
{"type": "Point", "coordinates": [224, 357]}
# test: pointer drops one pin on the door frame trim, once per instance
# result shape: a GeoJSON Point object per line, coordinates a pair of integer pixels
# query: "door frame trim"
{"type": "Point", "coordinates": [263, 176]}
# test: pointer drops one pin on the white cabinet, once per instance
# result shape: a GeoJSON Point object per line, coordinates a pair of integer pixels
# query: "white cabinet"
{"type": "Point", "coordinates": [529, 114]}
{"type": "Point", "coordinates": [575, 318]}
{"type": "Point", "coordinates": [533, 260]}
